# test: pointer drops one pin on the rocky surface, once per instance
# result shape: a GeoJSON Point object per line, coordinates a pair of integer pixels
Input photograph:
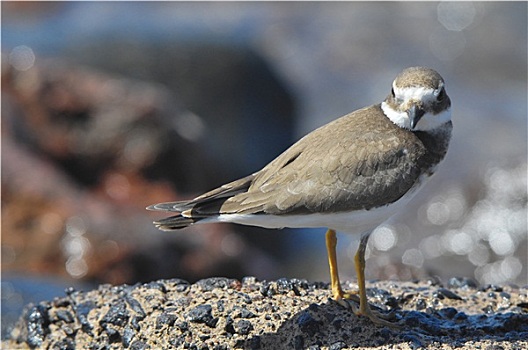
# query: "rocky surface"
{"type": "Point", "coordinates": [221, 313]}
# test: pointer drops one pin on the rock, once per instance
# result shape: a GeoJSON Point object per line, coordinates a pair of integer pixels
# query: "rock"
{"type": "Point", "coordinates": [203, 314]}
{"type": "Point", "coordinates": [222, 313]}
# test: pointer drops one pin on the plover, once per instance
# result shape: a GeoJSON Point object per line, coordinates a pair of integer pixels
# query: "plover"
{"type": "Point", "coordinates": [349, 175]}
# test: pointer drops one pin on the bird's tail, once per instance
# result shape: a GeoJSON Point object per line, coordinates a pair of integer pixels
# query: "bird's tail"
{"type": "Point", "coordinates": [206, 206]}
{"type": "Point", "coordinates": [175, 222]}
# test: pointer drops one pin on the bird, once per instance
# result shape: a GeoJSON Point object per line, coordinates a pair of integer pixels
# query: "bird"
{"type": "Point", "coordinates": [349, 176]}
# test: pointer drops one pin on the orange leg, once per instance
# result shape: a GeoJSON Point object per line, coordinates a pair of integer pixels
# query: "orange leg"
{"type": "Point", "coordinates": [337, 293]}
{"type": "Point", "coordinates": [331, 243]}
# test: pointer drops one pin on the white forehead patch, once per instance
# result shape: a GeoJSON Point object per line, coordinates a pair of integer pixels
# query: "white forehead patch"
{"type": "Point", "coordinates": [417, 93]}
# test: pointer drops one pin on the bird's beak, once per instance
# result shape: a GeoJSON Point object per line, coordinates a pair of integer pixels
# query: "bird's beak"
{"type": "Point", "coordinates": [415, 113]}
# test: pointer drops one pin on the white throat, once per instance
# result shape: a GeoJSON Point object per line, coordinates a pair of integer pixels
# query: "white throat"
{"type": "Point", "coordinates": [428, 122]}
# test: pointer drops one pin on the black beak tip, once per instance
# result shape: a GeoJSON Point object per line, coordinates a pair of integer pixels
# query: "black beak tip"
{"type": "Point", "coordinates": [415, 114]}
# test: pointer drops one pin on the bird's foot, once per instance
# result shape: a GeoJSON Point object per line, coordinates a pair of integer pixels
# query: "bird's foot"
{"type": "Point", "coordinates": [377, 317]}
{"type": "Point", "coordinates": [352, 301]}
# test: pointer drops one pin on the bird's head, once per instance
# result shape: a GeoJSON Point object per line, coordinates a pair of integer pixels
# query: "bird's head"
{"type": "Point", "coordinates": [418, 100]}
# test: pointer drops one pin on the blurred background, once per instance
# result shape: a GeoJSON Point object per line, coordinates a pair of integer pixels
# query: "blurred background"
{"type": "Point", "coordinates": [108, 107]}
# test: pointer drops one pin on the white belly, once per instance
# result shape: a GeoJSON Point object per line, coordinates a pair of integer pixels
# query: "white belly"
{"type": "Point", "coordinates": [355, 222]}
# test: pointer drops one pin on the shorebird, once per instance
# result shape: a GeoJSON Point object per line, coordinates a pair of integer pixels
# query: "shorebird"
{"type": "Point", "coordinates": [349, 175]}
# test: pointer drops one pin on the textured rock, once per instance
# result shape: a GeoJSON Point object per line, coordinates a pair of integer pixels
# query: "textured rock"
{"type": "Point", "coordinates": [222, 313]}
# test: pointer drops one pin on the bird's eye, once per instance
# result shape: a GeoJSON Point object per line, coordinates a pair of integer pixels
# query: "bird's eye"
{"type": "Point", "coordinates": [392, 93]}
{"type": "Point", "coordinates": [441, 95]}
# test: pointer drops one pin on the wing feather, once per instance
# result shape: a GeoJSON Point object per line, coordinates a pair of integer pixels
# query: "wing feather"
{"type": "Point", "coordinates": [369, 163]}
